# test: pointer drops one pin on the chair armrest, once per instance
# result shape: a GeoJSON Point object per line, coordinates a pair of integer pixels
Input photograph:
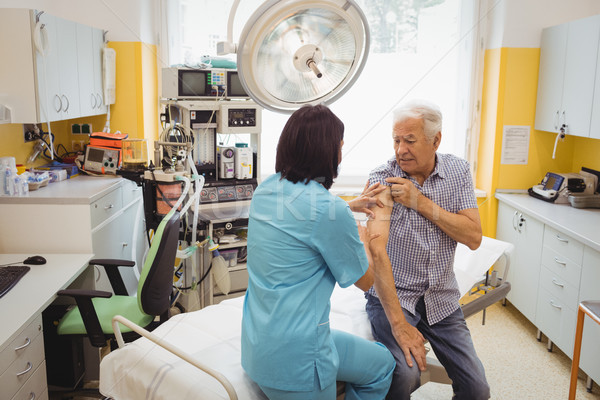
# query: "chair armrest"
{"type": "Point", "coordinates": [111, 266]}
{"type": "Point", "coordinates": [83, 298]}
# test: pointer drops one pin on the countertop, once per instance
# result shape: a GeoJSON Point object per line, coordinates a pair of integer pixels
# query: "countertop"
{"type": "Point", "coordinates": [582, 224]}
{"type": "Point", "coordinates": [36, 290]}
{"type": "Point", "coordinates": [81, 189]}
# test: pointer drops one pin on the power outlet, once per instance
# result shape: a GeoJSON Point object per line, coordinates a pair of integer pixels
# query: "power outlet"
{"type": "Point", "coordinates": [29, 132]}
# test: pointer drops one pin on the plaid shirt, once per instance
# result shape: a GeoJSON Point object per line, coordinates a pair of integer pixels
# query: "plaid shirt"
{"type": "Point", "coordinates": [422, 256]}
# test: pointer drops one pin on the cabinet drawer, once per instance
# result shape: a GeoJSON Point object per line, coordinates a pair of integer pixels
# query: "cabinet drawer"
{"type": "Point", "coordinates": [21, 344]}
{"type": "Point", "coordinates": [556, 320]}
{"type": "Point", "coordinates": [130, 192]}
{"type": "Point", "coordinates": [559, 288]}
{"type": "Point", "coordinates": [563, 244]}
{"type": "Point", "coordinates": [13, 378]}
{"type": "Point", "coordinates": [35, 387]}
{"type": "Point", "coordinates": [106, 207]}
{"type": "Point", "coordinates": [562, 266]}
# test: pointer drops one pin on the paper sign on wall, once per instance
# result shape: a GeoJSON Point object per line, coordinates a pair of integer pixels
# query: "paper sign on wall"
{"type": "Point", "coordinates": [515, 144]}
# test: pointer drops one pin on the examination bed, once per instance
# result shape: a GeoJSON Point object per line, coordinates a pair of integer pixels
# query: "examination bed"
{"type": "Point", "coordinates": [208, 340]}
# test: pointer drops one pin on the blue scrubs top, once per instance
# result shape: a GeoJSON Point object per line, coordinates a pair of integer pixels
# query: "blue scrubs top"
{"type": "Point", "coordinates": [301, 240]}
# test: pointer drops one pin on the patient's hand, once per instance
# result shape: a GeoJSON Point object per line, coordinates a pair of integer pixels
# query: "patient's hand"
{"type": "Point", "coordinates": [411, 341]}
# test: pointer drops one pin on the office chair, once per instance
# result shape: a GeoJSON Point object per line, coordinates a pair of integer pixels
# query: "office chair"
{"type": "Point", "coordinates": [95, 309]}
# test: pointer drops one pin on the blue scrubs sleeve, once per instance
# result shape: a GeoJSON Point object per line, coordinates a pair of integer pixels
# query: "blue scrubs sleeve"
{"type": "Point", "coordinates": [336, 237]}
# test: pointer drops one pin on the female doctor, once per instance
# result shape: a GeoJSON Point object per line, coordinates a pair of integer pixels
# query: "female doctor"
{"type": "Point", "coordinates": [301, 241]}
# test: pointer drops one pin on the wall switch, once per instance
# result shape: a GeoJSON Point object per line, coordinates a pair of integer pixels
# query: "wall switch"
{"type": "Point", "coordinates": [29, 134]}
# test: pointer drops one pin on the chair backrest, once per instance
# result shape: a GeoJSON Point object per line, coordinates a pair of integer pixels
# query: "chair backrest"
{"type": "Point", "coordinates": [156, 278]}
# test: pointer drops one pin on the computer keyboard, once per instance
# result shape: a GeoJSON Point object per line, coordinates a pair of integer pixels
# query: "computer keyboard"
{"type": "Point", "coordinates": [9, 276]}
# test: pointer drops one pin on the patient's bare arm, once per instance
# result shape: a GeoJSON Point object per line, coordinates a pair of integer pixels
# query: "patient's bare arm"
{"type": "Point", "coordinates": [409, 339]}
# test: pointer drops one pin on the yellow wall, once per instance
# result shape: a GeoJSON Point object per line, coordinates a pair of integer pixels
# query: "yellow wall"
{"type": "Point", "coordinates": [135, 111]}
{"type": "Point", "coordinates": [509, 98]}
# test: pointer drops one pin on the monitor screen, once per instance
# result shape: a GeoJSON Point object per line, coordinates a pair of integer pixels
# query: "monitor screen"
{"type": "Point", "coordinates": [95, 155]}
{"type": "Point", "coordinates": [234, 86]}
{"type": "Point", "coordinates": [192, 83]}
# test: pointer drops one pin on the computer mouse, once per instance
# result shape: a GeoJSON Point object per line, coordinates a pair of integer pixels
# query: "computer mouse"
{"type": "Point", "coordinates": [35, 260]}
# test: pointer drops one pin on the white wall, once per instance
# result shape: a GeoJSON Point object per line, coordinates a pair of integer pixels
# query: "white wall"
{"type": "Point", "coordinates": [519, 23]}
{"type": "Point", "coordinates": [125, 20]}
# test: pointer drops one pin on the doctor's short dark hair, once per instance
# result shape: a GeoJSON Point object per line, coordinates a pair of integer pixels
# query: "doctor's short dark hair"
{"type": "Point", "coordinates": [309, 146]}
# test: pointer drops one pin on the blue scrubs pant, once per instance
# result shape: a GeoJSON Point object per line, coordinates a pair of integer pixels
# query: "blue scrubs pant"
{"type": "Point", "coordinates": [365, 366]}
{"type": "Point", "coordinates": [451, 341]}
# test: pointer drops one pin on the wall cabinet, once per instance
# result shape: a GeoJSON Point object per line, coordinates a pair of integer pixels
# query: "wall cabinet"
{"type": "Point", "coordinates": [51, 68]}
{"type": "Point", "coordinates": [525, 233]}
{"type": "Point", "coordinates": [89, 62]}
{"type": "Point", "coordinates": [568, 65]}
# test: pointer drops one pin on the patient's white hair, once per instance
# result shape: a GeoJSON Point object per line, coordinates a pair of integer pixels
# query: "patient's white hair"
{"type": "Point", "coordinates": [421, 109]}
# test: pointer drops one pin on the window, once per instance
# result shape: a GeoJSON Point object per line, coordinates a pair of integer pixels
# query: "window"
{"type": "Point", "coordinates": [419, 49]}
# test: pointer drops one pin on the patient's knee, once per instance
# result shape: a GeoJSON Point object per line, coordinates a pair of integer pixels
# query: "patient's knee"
{"type": "Point", "coordinates": [405, 380]}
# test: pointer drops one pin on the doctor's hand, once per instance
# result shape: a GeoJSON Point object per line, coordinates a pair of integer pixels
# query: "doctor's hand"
{"type": "Point", "coordinates": [367, 199]}
{"type": "Point", "coordinates": [404, 192]}
{"type": "Point", "coordinates": [412, 342]}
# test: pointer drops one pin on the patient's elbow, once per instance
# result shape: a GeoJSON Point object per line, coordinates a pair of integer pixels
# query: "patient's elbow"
{"type": "Point", "coordinates": [475, 241]}
{"type": "Point", "coordinates": [366, 281]}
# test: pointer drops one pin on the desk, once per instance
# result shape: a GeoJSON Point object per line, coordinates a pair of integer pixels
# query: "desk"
{"type": "Point", "coordinates": [20, 318]}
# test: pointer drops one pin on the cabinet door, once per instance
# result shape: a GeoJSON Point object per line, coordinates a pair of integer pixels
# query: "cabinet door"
{"type": "Point", "coordinates": [580, 71]}
{"type": "Point", "coordinates": [66, 35]}
{"type": "Point", "coordinates": [97, 45]}
{"type": "Point", "coordinates": [526, 234]}
{"type": "Point", "coordinates": [550, 82]}
{"type": "Point", "coordinates": [47, 69]}
{"type": "Point", "coordinates": [85, 66]}
{"type": "Point", "coordinates": [595, 124]}
{"type": "Point", "coordinates": [590, 347]}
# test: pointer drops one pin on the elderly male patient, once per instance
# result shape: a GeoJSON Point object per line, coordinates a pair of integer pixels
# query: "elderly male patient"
{"type": "Point", "coordinates": [429, 207]}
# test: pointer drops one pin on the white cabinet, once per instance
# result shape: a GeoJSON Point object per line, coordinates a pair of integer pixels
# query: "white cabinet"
{"type": "Point", "coordinates": [559, 288]}
{"type": "Point", "coordinates": [526, 234]}
{"type": "Point", "coordinates": [117, 231]}
{"type": "Point", "coordinates": [49, 72]}
{"type": "Point", "coordinates": [89, 62]}
{"type": "Point", "coordinates": [569, 270]}
{"type": "Point", "coordinates": [595, 125]}
{"type": "Point", "coordinates": [568, 59]}
{"type": "Point", "coordinates": [56, 61]}
{"type": "Point", "coordinates": [22, 366]}
{"type": "Point", "coordinates": [590, 347]}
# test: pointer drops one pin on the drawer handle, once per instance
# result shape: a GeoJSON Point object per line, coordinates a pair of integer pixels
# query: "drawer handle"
{"type": "Point", "coordinates": [32, 396]}
{"type": "Point", "coordinates": [563, 263]}
{"type": "Point", "coordinates": [108, 207]}
{"type": "Point", "coordinates": [555, 305]}
{"type": "Point", "coordinates": [29, 366]}
{"type": "Point", "coordinates": [125, 244]}
{"type": "Point", "coordinates": [557, 283]}
{"type": "Point", "coordinates": [27, 342]}
{"type": "Point", "coordinates": [561, 239]}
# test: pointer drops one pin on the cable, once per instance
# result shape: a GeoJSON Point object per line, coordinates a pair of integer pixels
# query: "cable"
{"type": "Point", "coordinates": [560, 135]}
